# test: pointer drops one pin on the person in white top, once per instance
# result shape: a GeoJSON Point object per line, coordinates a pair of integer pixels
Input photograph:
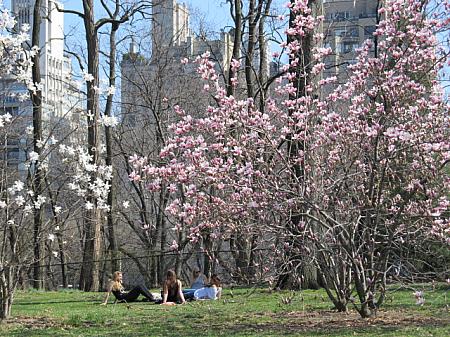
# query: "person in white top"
{"type": "Point", "coordinates": [211, 292]}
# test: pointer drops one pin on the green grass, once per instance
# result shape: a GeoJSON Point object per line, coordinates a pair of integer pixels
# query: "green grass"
{"type": "Point", "coordinates": [243, 312]}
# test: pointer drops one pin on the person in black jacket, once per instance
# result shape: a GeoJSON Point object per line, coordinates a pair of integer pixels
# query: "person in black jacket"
{"type": "Point", "coordinates": [116, 288]}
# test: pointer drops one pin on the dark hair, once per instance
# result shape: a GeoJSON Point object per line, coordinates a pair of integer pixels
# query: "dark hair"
{"type": "Point", "coordinates": [215, 277]}
{"type": "Point", "coordinates": [171, 274]}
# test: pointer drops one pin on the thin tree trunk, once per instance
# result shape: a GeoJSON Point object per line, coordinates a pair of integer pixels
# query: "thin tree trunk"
{"type": "Point", "coordinates": [252, 19]}
{"type": "Point", "coordinates": [7, 294]}
{"type": "Point", "coordinates": [289, 279]}
{"type": "Point", "coordinates": [36, 98]}
{"type": "Point", "coordinates": [109, 150]}
{"type": "Point", "coordinates": [237, 15]}
{"type": "Point", "coordinates": [62, 260]}
{"type": "Point", "coordinates": [89, 278]}
{"type": "Point", "coordinates": [263, 72]}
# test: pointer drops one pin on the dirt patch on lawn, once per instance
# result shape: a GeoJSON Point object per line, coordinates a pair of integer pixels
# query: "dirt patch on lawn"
{"type": "Point", "coordinates": [323, 321]}
{"type": "Point", "coordinates": [33, 322]}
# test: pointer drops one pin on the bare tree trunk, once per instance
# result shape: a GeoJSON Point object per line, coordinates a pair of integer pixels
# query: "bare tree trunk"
{"type": "Point", "coordinates": [9, 270]}
{"type": "Point", "coordinates": [6, 293]}
{"type": "Point", "coordinates": [208, 245]}
{"type": "Point", "coordinates": [62, 260]}
{"type": "Point", "coordinates": [237, 16]}
{"type": "Point", "coordinates": [263, 72]}
{"type": "Point", "coordinates": [38, 182]}
{"type": "Point", "coordinates": [109, 145]}
{"type": "Point", "coordinates": [252, 21]}
{"type": "Point", "coordinates": [290, 279]}
{"type": "Point", "coordinates": [89, 277]}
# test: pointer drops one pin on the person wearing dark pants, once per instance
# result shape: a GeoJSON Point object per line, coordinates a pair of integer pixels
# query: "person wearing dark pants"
{"type": "Point", "coordinates": [116, 288]}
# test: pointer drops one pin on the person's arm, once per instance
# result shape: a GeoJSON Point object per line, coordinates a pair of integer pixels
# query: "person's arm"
{"type": "Point", "coordinates": [180, 292]}
{"type": "Point", "coordinates": [108, 292]}
{"type": "Point", "coordinates": [219, 292]}
{"type": "Point", "coordinates": [165, 293]}
{"type": "Point", "coordinates": [192, 283]}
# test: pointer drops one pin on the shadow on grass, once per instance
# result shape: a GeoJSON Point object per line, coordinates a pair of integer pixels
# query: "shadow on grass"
{"type": "Point", "coordinates": [18, 303]}
{"type": "Point", "coordinates": [338, 324]}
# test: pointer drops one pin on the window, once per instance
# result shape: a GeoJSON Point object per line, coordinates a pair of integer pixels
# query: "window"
{"type": "Point", "coordinates": [369, 30]}
{"type": "Point", "coordinates": [12, 110]}
{"type": "Point", "coordinates": [348, 47]}
{"type": "Point", "coordinates": [353, 32]}
{"type": "Point", "coordinates": [341, 16]}
{"type": "Point", "coordinates": [340, 31]}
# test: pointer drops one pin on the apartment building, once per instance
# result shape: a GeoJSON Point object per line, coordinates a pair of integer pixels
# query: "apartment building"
{"type": "Point", "coordinates": [61, 98]}
{"type": "Point", "coordinates": [348, 23]}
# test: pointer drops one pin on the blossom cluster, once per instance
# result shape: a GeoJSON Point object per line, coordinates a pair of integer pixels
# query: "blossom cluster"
{"type": "Point", "coordinates": [82, 182]}
{"type": "Point", "coordinates": [374, 148]}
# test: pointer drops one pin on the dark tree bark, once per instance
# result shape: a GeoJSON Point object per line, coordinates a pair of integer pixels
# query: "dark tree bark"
{"type": "Point", "coordinates": [305, 275]}
{"type": "Point", "coordinates": [236, 13]}
{"type": "Point", "coordinates": [113, 249]}
{"type": "Point", "coordinates": [263, 73]}
{"type": "Point", "coordinates": [38, 181]}
{"type": "Point", "coordinates": [89, 277]}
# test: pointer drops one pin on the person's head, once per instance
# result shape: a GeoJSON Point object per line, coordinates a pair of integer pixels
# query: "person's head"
{"type": "Point", "coordinates": [196, 272]}
{"type": "Point", "coordinates": [171, 276]}
{"type": "Point", "coordinates": [215, 280]}
{"type": "Point", "coordinates": [117, 276]}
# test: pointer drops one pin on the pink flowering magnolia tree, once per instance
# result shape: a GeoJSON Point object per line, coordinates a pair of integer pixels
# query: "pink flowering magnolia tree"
{"type": "Point", "coordinates": [368, 178]}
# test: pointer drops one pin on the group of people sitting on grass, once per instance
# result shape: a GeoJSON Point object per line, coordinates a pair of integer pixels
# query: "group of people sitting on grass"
{"type": "Point", "coordinates": [172, 292]}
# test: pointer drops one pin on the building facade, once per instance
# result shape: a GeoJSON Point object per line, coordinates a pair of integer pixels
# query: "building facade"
{"type": "Point", "coordinates": [172, 41]}
{"type": "Point", "coordinates": [62, 100]}
{"type": "Point", "coordinates": [348, 23]}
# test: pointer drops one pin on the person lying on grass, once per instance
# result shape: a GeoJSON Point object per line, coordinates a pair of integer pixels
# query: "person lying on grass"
{"type": "Point", "coordinates": [116, 287]}
{"type": "Point", "coordinates": [172, 290]}
{"type": "Point", "coordinates": [213, 291]}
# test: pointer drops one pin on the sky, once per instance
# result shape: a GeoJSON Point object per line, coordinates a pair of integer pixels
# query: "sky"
{"type": "Point", "coordinates": [215, 12]}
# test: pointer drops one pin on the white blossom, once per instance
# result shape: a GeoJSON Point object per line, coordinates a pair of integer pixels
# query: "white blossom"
{"type": "Point", "coordinates": [28, 209]}
{"type": "Point", "coordinates": [20, 200]}
{"type": "Point", "coordinates": [111, 90]}
{"type": "Point", "coordinates": [53, 140]}
{"type": "Point", "coordinates": [18, 185]}
{"type": "Point", "coordinates": [39, 201]}
{"type": "Point", "coordinates": [34, 156]}
{"type": "Point", "coordinates": [87, 77]}
{"type": "Point", "coordinates": [110, 121]}
{"type": "Point", "coordinates": [40, 143]}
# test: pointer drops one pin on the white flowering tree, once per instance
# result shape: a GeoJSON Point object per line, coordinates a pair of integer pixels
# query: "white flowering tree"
{"type": "Point", "coordinates": [118, 12]}
{"type": "Point", "coordinates": [16, 202]}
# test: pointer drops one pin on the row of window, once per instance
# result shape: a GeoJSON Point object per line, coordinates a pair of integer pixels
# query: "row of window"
{"type": "Point", "coordinates": [353, 31]}
{"type": "Point", "coordinates": [345, 15]}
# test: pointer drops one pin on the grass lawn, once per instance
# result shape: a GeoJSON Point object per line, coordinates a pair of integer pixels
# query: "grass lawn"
{"type": "Point", "coordinates": [241, 312]}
